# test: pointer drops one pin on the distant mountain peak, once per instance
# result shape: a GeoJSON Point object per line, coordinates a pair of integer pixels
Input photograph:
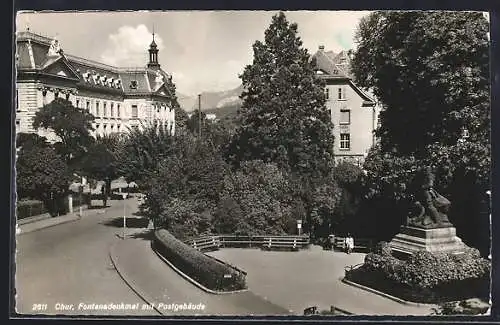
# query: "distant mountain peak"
{"type": "Point", "coordinates": [211, 99]}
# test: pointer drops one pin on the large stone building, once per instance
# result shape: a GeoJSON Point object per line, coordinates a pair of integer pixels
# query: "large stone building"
{"type": "Point", "coordinates": [354, 112]}
{"type": "Point", "coordinates": [119, 98]}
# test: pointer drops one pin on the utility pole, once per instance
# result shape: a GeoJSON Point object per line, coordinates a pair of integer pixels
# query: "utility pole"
{"type": "Point", "coordinates": [199, 116]}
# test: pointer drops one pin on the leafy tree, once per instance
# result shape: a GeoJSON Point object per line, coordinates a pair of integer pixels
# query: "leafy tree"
{"type": "Point", "coordinates": [193, 173]}
{"type": "Point", "coordinates": [258, 193]}
{"type": "Point", "coordinates": [101, 162]}
{"type": "Point", "coordinates": [185, 218]}
{"type": "Point", "coordinates": [24, 140]}
{"type": "Point", "coordinates": [142, 150]}
{"type": "Point", "coordinates": [431, 72]}
{"type": "Point", "coordinates": [181, 118]}
{"type": "Point", "coordinates": [42, 174]}
{"type": "Point", "coordinates": [72, 126]}
{"type": "Point", "coordinates": [283, 118]}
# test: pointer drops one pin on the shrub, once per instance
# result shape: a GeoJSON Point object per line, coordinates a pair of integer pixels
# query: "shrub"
{"type": "Point", "coordinates": [185, 218]}
{"type": "Point", "coordinates": [383, 249]}
{"type": "Point", "coordinates": [205, 270]}
{"type": "Point", "coordinates": [426, 276]}
{"type": "Point", "coordinates": [429, 270]}
{"type": "Point", "coordinates": [29, 208]}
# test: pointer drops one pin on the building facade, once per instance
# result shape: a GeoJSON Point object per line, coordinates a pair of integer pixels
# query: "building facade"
{"type": "Point", "coordinates": [354, 113]}
{"type": "Point", "coordinates": [118, 98]}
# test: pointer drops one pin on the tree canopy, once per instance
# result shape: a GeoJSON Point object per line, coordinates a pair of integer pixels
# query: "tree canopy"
{"type": "Point", "coordinates": [283, 118]}
{"type": "Point", "coordinates": [72, 125]}
{"type": "Point", "coordinates": [431, 72]}
{"type": "Point", "coordinates": [41, 174]}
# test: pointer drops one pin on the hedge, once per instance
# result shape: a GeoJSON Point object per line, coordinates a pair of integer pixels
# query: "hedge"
{"type": "Point", "coordinates": [209, 272]}
{"type": "Point", "coordinates": [426, 277]}
{"type": "Point", "coordinates": [29, 208]}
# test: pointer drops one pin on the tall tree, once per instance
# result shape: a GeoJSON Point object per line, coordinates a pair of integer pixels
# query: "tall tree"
{"type": "Point", "coordinates": [283, 118]}
{"type": "Point", "coordinates": [431, 72]}
{"type": "Point", "coordinates": [72, 126]}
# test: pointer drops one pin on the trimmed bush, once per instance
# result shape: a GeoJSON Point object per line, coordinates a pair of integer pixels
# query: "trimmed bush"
{"type": "Point", "coordinates": [29, 208]}
{"type": "Point", "coordinates": [426, 277]}
{"type": "Point", "coordinates": [207, 271]}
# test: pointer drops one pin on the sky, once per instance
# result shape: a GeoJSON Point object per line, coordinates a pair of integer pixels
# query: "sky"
{"type": "Point", "coordinates": [203, 50]}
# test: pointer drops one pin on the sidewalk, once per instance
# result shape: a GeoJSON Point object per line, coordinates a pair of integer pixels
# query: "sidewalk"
{"type": "Point", "coordinates": [44, 221]}
{"type": "Point", "coordinates": [156, 283]}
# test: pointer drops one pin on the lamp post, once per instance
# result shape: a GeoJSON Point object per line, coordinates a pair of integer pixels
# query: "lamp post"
{"type": "Point", "coordinates": [199, 116]}
{"type": "Point", "coordinates": [81, 196]}
{"type": "Point", "coordinates": [124, 195]}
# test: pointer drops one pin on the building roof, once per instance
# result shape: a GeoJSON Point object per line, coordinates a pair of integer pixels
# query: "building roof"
{"type": "Point", "coordinates": [336, 66]}
{"type": "Point", "coordinates": [91, 74]}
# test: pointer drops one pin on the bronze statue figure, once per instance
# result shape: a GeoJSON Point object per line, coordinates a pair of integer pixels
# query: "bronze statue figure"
{"type": "Point", "coordinates": [431, 208]}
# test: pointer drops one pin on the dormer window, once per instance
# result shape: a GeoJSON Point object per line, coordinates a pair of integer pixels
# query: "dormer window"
{"type": "Point", "coordinates": [133, 84]}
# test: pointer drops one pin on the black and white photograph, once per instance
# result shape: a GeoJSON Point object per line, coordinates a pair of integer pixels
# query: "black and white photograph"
{"type": "Point", "coordinates": [252, 163]}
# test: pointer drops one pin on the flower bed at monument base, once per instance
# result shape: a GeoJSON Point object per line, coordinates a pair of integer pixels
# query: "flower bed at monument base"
{"type": "Point", "coordinates": [209, 272]}
{"type": "Point", "coordinates": [426, 277]}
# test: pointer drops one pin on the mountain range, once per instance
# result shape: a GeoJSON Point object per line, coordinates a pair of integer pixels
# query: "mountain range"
{"type": "Point", "coordinates": [211, 100]}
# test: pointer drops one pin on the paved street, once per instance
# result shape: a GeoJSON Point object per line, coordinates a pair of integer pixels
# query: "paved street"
{"type": "Point", "coordinates": [160, 284]}
{"type": "Point", "coordinates": [69, 264]}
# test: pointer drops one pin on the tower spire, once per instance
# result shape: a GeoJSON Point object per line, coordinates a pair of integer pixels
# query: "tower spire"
{"type": "Point", "coordinates": [153, 53]}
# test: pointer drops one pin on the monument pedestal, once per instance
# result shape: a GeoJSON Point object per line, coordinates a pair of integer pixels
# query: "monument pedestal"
{"type": "Point", "coordinates": [412, 239]}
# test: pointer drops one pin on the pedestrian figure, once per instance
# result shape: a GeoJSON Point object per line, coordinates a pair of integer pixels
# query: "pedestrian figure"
{"type": "Point", "coordinates": [349, 244]}
{"type": "Point", "coordinates": [331, 241]}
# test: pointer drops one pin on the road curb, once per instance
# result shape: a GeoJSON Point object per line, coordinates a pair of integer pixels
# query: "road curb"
{"type": "Point", "coordinates": [122, 274]}
{"type": "Point", "coordinates": [385, 295]}
{"type": "Point", "coordinates": [73, 219]}
{"type": "Point", "coordinates": [185, 276]}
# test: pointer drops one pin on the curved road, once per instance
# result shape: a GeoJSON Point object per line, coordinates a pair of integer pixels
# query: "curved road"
{"type": "Point", "coordinates": [58, 268]}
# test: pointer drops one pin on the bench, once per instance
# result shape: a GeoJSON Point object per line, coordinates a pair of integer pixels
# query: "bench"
{"type": "Point", "coordinates": [205, 243]}
{"type": "Point", "coordinates": [360, 244]}
{"type": "Point", "coordinates": [285, 243]}
{"type": "Point", "coordinates": [313, 310]}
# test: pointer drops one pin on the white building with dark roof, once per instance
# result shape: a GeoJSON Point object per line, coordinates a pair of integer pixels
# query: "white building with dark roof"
{"type": "Point", "coordinates": [354, 112]}
{"type": "Point", "coordinates": [119, 98]}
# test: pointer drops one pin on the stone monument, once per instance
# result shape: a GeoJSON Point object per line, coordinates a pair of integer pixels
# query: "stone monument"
{"type": "Point", "coordinates": [427, 226]}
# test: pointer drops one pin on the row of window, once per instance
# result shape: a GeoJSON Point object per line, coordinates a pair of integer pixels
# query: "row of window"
{"type": "Point", "coordinates": [97, 110]}
{"type": "Point", "coordinates": [340, 93]}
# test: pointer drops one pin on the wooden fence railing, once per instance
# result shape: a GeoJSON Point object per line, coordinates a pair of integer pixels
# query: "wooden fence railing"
{"type": "Point", "coordinates": [207, 243]}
